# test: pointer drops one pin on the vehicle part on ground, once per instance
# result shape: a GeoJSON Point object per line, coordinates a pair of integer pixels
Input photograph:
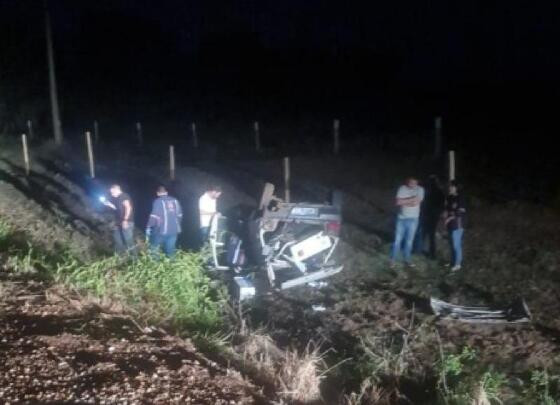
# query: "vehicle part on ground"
{"type": "Point", "coordinates": [244, 288]}
{"type": "Point", "coordinates": [295, 243]}
{"type": "Point", "coordinates": [318, 284]}
{"type": "Point", "coordinates": [218, 239]}
{"type": "Point", "coordinates": [518, 312]}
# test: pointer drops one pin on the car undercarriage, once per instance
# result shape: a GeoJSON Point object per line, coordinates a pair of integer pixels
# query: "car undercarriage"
{"type": "Point", "coordinates": [293, 243]}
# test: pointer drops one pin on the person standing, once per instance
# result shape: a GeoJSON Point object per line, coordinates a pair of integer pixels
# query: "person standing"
{"type": "Point", "coordinates": [164, 224]}
{"type": "Point", "coordinates": [123, 228]}
{"type": "Point", "coordinates": [455, 214]}
{"type": "Point", "coordinates": [431, 210]}
{"type": "Point", "coordinates": [207, 206]}
{"type": "Point", "coordinates": [408, 199]}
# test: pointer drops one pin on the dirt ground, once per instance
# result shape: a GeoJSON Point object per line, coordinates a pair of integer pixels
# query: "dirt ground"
{"type": "Point", "coordinates": [54, 351]}
{"type": "Point", "coordinates": [512, 251]}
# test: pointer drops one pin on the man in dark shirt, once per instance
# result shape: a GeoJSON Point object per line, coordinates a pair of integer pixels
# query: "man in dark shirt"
{"type": "Point", "coordinates": [164, 224]}
{"type": "Point", "coordinates": [123, 229]}
{"type": "Point", "coordinates": [430, 215]}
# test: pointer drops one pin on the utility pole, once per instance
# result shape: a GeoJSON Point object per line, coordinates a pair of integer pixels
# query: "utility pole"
{"type": "Point", "coordinates": [57, 125]}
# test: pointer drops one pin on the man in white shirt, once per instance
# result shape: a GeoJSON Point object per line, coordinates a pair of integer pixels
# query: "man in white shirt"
{"type": "Point", "coordinates": [207, 208]}
{"type": "Point", "coordinates": [409, 197]}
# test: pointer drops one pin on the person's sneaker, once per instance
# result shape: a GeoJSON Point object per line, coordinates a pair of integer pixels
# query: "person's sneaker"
{"type": "Point", "coordinates": [392, 265]}
{"type": "Point", "coordinates": [456, 268]}
{"type": "Point", "coordinates": [410, 265]}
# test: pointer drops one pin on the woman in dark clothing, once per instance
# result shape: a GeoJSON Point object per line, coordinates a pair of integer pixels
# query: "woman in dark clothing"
{"type": "Point", "coordinates": [455, 213]}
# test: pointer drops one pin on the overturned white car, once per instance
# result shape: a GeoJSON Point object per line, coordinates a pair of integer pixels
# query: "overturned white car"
{"type": "Point", "coordinates": [294, 243]}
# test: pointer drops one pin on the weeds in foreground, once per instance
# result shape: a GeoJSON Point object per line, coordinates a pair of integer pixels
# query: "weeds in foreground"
{"type": "Point", "coordinates": [451, 367]}
{"type": "Point", "coordinates": [300, 374]}
{"type": "Point", "coordinates": [296, 376]}
{"type": "Point", "coordinates": [259, 349]}
{"type": "Point", "coordinates": [5, 230]}
{"type": "Point", "coordinates": [20, 257]}
{"type": "Point", "coordinates": [462, 381]}
{"type": "Point", "coordinates": [170, 291]}
{"type": "Point", "coordinates": [174, 292]}
{"type": "Point", "coordinates": [385, 361]}
{"type": "Point", "coordinates": [387, 358]}
{"type": "Point", "coordinates": [543, 388]}
{"type": "Point", "coordinates": [27, 263]}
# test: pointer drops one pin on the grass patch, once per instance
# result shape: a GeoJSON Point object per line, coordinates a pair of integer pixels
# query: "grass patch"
{"type": "Point", "coordinates": [174, 293]}
{"type": "Point", "coordinates": [292, 375]}
{"type": "Point", "coordinates": [543, 388]}
{"type": "Point", "coordinates": [463, 380]}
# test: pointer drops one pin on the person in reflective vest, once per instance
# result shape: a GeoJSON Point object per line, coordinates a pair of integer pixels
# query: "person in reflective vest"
{"type": "Point", "coordinates": [164, 224]}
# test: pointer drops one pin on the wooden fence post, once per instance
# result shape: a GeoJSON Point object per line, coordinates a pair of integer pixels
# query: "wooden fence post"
{"type": "Point", "coordinates": [336, 136]}
{"type": "Point", "coordinates": [96, 131]}
{"type": "Point", "coordinates": [437, 137]}
{"type": "Point", "coordinates": [194, 136]}
{"type": "Point", "coordinates": [90, 155]}
{"type": "Point", "coordinates": [257, 136]}
{"type": "Point", "coordinates": [25, 154]}
{"type": "Point", "coordinates": [451, 165]}
{"type": "Point", "coordinates": [171, 162]}
{"type": "Point", "coordinates": [139, 134]}
{"type": "Point", "coordinates": [287, 179]}
{"type": "Point", "coordinates": [30, 129]}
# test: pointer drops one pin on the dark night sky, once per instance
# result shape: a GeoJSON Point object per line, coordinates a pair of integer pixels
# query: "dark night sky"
{"type": "Point", "coordinates": [434, 40]}
{"type": "Point", "coordinates": [409, 58]}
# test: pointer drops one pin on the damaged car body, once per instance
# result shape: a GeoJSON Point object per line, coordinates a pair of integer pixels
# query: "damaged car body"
{"type": "Point", "coordinates": [293, 243]}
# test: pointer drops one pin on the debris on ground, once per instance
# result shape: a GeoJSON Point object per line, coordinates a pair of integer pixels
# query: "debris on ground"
{"type": "Point", "coordinates": [518, 312]}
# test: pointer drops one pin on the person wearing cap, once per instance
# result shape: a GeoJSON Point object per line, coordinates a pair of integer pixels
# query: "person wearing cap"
{"type": "Point", "coordinates": [164, 224]}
